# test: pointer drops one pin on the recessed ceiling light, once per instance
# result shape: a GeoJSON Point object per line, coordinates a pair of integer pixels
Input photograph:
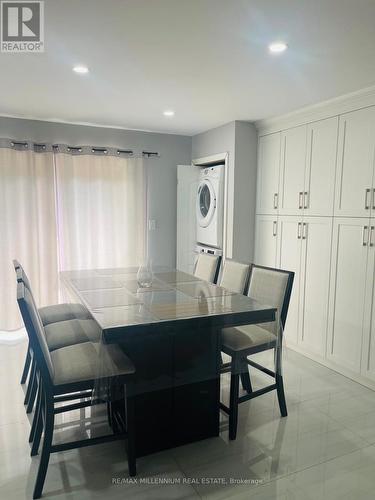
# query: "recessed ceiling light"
{"type": "Point", "coordinates": [168, 112]}
{"type": "Point", "coordinates": [277, 47]}
{"type": "Point", "coordinates": [81, 69]}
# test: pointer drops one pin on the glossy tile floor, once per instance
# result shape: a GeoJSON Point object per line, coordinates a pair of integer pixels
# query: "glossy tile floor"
{"type": "Point", "coordinates": [324, 449]}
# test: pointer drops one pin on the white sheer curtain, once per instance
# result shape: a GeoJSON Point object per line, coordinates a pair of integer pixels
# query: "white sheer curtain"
{"type": "Point", "coordinates": [27, 229]}
{"type": "Point", "coordinates": [100, 205]}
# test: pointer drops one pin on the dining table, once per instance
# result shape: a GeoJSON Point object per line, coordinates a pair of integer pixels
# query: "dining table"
{"type": "Point", "coordinates": [171, 332]}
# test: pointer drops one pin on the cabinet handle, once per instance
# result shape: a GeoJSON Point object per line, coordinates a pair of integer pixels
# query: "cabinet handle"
{"type": "Point", "coordinates": [274, 229]}
{"type": "Point", "coordinates": [299, 227]}
{"type": "Point", "coordinates": [373, 199]}
{"type": "Point", "coordinates": [372, 236]}
{"type": "Point", "coordinates": [300, 202]}
{"type": "Point", "coordinates": [304, 233]}
{"type": "Point", "coordinates": [306, 199]}
{"type": "Point", "coordinates": [367, 204]}
{"type": "Point", "coordinates": [365, 236]}
{"type": "Point", "coordinates": [275, 200]}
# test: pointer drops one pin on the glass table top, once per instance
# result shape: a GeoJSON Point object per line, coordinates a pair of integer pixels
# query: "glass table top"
{"type": "Point", "coordinates": [115, 299]}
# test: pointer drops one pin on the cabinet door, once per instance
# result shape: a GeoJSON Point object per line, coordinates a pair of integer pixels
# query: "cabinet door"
{"type": "Point", "coordinates": [292, 175]}
{"type": "Point", "coordinates": [265, 240]}
{"type": "Point", "coordinates": [290, 241]}
{"type": "Point", "coordinates": [268, 173]}
{"type": "Point", "coordinates": [315, 276]}
{"type": "Point", "coordinates": [368, 350]}
{"type": "Point", "coordinates": [355, 163]}
{"type": "Point", "coordinates": [320, 167]}
{"type": "Point", "coordinates": [347, 297]}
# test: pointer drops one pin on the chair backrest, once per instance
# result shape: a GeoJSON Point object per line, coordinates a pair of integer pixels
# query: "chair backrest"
{"type": "Point", "coordinates": [207, 267]}
{"type": "Point", "coordinates": [234, 276]}
{"type": "Point", "coordinates": [35, 331]}
{"type": "Point", "coordinates": [272, 287]}
{"type": "Point", "coordinates": [22, 276]}
{"type": "Point", "coordinates": [16, 264]}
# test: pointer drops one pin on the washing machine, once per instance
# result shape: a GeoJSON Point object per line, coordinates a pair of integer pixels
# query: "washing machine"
{"type": "Point", "coordinates": [210, 206]}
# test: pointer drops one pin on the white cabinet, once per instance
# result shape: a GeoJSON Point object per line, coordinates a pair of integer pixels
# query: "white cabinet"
{"type": "Point", "coordinates": [266, 231]}
{"type": "Point", "coordinates": [319, 187]}
{"type": "Point", "coordinates": [354, 186]}
{"type": "Point", "coordinates": [289, 257]}
{"type": "Point", "coordinates": [268, 174]}
{"type": "Point", "coordinates": [305, 248]}
{"type": "Point", "coordinates": [314, 284]}
{"type": "Point", "coordinates": [292, 174]}
{"type": "Point", "coordinates": [368, 351]}
{"type": "Point", "coordinates": [348, 291]}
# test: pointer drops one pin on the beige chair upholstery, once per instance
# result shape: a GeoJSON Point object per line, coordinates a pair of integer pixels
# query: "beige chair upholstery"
{"type": "Point", "coordinates": [80, 362]}
{"type": "Point", "coordinates": [266, 286]}
{"type": "Point", "coordinates": [58, 312]}
{"type": "Point", "coordinates": [206, 267]}
{"type": "Point", "coordinates": [63, 312]}
{"type": "Point", "coordinates": [234, 276]}
{"type": "Point", "coordinates": [73, 331]}
{"type": "Point", "coordinates": [243, 338]}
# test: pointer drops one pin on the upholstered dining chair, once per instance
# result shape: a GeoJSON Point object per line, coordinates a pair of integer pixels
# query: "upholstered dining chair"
{"type": "Point", "coordinates": [49, 314]}
{"type": "Point", "coordinates": [234, 275]}
{"type": "Point", "coordinates": [65, 324]}
{"type": "Point", "coordinates": [207, 267]}
{"type": "Point", "coordinates": [272, 287]}
{"type": "Point", "coordinates": [69, 370]}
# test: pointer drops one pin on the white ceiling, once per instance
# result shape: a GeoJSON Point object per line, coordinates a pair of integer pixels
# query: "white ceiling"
{"type": "Point", "coordinates": [205, 59]}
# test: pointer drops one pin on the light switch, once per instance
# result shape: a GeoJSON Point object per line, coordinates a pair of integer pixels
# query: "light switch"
{"type": "Point", "coordinates": [151, 224]}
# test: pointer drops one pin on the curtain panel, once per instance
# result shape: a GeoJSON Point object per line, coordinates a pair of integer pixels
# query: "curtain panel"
{"type": "Point", "coordinates": [100, 203]}
{"type": "Point", "coordinates": [61, 211]}
{"type": "Point", "coordinates": [27, 229]}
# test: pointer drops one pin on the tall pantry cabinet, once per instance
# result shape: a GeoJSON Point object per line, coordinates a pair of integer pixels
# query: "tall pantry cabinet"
{"type": "Point", "coordinates": [322, 226]}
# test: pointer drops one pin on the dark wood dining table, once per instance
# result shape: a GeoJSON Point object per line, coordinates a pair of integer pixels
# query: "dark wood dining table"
{"type": "Point", "coordinates": [171, 332]}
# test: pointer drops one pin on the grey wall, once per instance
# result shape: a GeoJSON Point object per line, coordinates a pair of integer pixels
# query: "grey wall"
{"type": "Point", "coordinates": [246, 139]}
{"type": "Point", "coordinates": [239, 139]}
{"type": "Point", "coordinates": [173, 149]}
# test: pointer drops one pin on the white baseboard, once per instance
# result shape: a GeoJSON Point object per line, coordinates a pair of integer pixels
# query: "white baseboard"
{"type": "Point", "coordinates": [360, 379]}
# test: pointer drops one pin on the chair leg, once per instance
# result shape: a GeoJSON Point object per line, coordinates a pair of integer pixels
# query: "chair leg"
{"type": "Point", "coordinates": [26, 366]}
{"type": "Point", "coordinates": [36, 415]}
{"type": "Point", "coordinates": [233, 405]}
{"type": "Point", "coordinates": [130, 427]}
{"type": "Point", "coordinates": [245, 378]}
{"type": "Point", "coordinates": [34, 387]}
{"type": "Point", "coordinates": [30, 383]}
{"type": "Point", "coordinates": [47, 442]}
{"type": "Point", "coordinates": [281, 395]}
{"type": "Point", "coordinates": [280, 384]}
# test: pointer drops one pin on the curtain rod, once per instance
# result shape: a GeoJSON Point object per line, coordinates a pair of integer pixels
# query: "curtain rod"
{"type": "Point", "coordinates": [75, 150]}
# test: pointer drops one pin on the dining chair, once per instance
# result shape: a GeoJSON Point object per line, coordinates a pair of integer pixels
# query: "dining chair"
{"type": "Point", "coordinates": [66, 325]}
{"type": "Point", "coordinates": [267, 286]}
{"type": "Point", "coordinates": [49, 314]}
{"type": "Point", "coordinates": [207, 267]}
{"type": "Point", "coordinates": [234, 275]}
{"type": "Point", "coordinates": [73, 369]}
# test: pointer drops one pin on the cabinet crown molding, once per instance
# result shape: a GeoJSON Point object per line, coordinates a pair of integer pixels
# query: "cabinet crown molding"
{"type": "Point", "coordinates": [333, 107]}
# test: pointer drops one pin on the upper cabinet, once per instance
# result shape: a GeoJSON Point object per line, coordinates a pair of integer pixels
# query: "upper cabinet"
{"type": "Point", "coordinates": [319, 186]}
{"type": "Point", "coordinates": [268, 174]}
{"type": "Point", "coordinates": [296, 170]}
{"type": "Point", "coordinates": [292, 172]}
{"type": "Point", "coordinates": [354, 186]}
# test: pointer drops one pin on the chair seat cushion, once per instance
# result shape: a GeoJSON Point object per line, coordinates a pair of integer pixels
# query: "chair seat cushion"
{"type": "Point", "coordinates": [87, 361]}
{"type": "Point", "coordinates": [244, 338]}
{"type": "Point", "coordinates": [71, 332]}
{"type": "Point", "coordinates": [63, 312]}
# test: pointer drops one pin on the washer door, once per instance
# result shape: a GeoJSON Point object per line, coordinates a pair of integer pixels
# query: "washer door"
{"type": "Point", "coordinates": [206, 203]}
